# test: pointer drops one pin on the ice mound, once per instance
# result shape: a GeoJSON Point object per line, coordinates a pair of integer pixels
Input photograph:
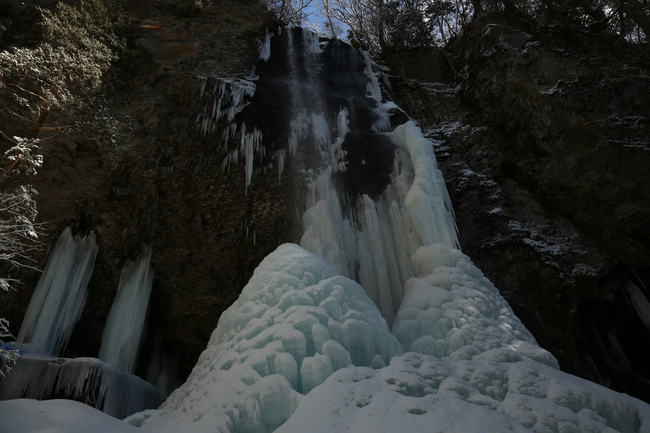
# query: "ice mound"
{"type": "Point", "coordinates": [453, 311]}
{"type": "Point", "coordinates": [294, 324]}
{"type": "Point", "coordinates": [497, 391]}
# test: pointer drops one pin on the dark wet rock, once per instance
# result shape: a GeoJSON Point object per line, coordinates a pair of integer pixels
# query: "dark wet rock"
{"type": "Point", "coordinates": [542, 139]}
{"type": "Point", "coordinates": [150, 176]}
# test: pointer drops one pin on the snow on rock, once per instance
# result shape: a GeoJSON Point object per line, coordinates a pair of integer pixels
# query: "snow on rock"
{"type": "Point", "coordinates": [294, 324]}
{"type": "Point", "coordinates": [453, 311]}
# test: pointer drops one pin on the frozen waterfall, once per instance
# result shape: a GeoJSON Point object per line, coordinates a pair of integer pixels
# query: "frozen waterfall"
{"type": "Point", "coordinates": [374, 242]}
{"type": "Point", "coordinates": [126, 320]}
{"type": "Point", "coordinates": [305, 346]}
{"type": "Point", "coordinates": [60, 293]}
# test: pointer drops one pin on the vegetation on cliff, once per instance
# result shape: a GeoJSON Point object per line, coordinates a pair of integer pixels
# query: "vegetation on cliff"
{"type": "Point", "coordinates": [78, 46]}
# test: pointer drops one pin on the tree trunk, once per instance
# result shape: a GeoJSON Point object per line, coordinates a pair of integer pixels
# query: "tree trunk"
{"type": "Point", "coordinates": [42, 115]}
{"type": "Point", "coordinates": [478, 8]}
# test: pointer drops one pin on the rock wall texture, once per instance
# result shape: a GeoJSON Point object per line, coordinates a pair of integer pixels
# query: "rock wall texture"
{"type": "Point", "coordinates": [149, 175]}
{"type": "Point", "coordinates": [543, 141]}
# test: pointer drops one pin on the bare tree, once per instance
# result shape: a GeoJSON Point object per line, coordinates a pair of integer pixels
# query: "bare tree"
{"type": "Point", "coordinates": [289, 11]}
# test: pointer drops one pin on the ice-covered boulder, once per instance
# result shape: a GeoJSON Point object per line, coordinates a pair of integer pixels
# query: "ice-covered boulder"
{"type": "Point", "coordinates": [294, 324]}
{"type": "Point", "coordinates": [453, 311]}
{"type": "Point", "coordinates": [87, 380]}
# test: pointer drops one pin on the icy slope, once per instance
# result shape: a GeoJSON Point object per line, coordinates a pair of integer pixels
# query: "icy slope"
{"type": "Point", "coordinates": [295, 323]}
{"type": "Point", "coordinates": [453, 311]}
{"type": "Point", "coordinates": [478, 370]}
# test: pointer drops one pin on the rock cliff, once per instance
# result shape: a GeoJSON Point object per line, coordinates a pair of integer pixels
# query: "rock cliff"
{"type": "Point", "coordinates": [542, 138]}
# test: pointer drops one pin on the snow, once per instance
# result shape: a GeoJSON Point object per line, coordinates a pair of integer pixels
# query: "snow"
{"type": "Point", "coordinates": [125, 323]}
{"type": "Point", "coordinates": [496, 391]}
{"type": "Point", "coordinates": [60, 294]}
{"type": "Point", "coordinates": [57, 416]}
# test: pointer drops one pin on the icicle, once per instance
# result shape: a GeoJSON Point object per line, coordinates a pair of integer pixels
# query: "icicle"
{"type": "Point", "coordinates": [265, 47]}
{"type": "Point", "coordinates": [125, 322]}
{"type": "Point", "coordinates": [88, 380]}
{"type": "Point", "coordinates": [639, 302]}
{"type": "Point", "coordinates": [60, 294]}
{"type": "Point", "coordinates": [279, 155]}
{"type": "Point", "coordinates": [373, 91]}
{"type": "Point", "coordinates": [321, 131]}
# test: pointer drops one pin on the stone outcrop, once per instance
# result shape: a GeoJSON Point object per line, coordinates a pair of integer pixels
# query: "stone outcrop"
{"type": "Point", "coordinates": [542, 136]}
{"type": "Point", "coordinates": [148, 175]}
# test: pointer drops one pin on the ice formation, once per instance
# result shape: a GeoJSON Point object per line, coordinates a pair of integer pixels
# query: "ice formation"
{"type": "Point", "coordinates": [295, 323]}
{"type": "Point", "coordinates": [305, 349]}
{"type": "Point", "coordinates": [126, 320]}
{"type": "Point", "coordinates": [453, 311]}
{"type": "Point", "coordinates": [497, 391]}
{"type": "Point", "coordinates": [60, 293]}
{"type": "Point", "coordinates": [376, 240]}
{"type": "Point", "coordinates": [226, 100]}
{"type": "Point", "coordinates": [88, 380]}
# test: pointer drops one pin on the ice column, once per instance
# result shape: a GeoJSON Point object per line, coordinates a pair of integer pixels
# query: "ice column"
{"type": "Point", "coordinates": [125, 322]}
{"type": "Point", "coordinates": [60, 293]}
{"type": "Point", "coordinates": [375, 241]}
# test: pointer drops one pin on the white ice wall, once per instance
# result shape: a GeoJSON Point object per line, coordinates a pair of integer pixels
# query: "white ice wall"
{"type": "Point", "coordinates": [125, 323]}
{"type": "Point", "coordinates": [60, 293]}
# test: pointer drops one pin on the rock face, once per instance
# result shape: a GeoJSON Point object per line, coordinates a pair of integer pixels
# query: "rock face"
{"type": "Point", "coordinates": [150, 176]}
{"type": "Point", "coordinates": [542, 138]}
